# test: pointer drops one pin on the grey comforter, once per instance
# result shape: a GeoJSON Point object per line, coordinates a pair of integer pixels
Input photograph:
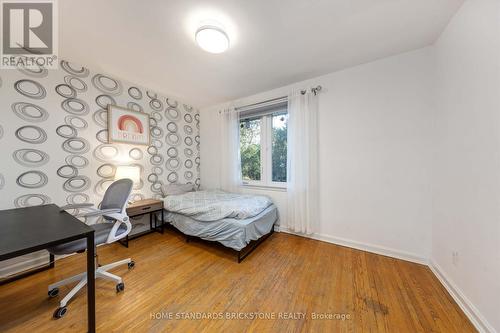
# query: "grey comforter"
{"type": "Point", "coordinates": [216, 205]}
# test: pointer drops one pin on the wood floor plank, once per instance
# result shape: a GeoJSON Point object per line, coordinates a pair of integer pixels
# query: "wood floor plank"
{"type": "Point", "coordinates": [287, 276]}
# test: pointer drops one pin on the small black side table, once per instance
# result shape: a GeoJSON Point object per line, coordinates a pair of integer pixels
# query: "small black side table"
{"type": "Point", "coordinates": [145, 207]}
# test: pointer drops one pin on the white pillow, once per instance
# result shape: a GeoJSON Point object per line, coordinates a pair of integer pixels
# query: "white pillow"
{"type": "Point", "coordinates": [175, 189]}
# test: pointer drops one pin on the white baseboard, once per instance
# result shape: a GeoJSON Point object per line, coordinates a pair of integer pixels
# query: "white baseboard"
{"type": "Point", "coordinates": [28, 264]}
{"type": "Point", "coordinates": [463, 302]}
{"type": "Point", "coordinates": [393, 253]}
{"type": "Point", "coordinates": [23, 265]}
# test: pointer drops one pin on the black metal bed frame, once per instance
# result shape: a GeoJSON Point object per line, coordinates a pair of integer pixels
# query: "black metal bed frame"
{"type": "Point", "coordinates": [243, 253]}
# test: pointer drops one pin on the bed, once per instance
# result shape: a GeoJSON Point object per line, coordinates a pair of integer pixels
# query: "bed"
{"type": "Point", "coordinates": [239, 222]}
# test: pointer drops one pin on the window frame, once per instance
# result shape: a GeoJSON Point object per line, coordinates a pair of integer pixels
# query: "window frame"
{"type": "Point", "coordinates": [266, 154]}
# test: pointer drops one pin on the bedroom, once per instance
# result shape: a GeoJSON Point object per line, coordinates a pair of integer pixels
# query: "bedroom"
{"type": "Point", "coordinates": [323, 166]}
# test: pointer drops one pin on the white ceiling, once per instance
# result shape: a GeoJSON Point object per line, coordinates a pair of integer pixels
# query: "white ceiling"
{"type": "Point", "coordinates": [274, 43]}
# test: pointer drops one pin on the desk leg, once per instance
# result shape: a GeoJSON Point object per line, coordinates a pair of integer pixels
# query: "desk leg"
{"type": "Point", "coordinates": [91, 283]}
{"type": "Point", "coordinates": [162, 221]}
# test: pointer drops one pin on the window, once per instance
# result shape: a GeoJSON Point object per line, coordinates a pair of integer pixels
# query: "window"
{"type": "Point", "coordinates": [251, 149]}
{"type": "Point", "coordinates": [279, 133]}
{"type": "Point", "coordinates": [263, 146]}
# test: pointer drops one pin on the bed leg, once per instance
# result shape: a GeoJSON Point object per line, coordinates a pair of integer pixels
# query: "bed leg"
{"type": "Point", "coordinates": [188, 239]}
{"type": "Point", "coordinates": [253, 245]}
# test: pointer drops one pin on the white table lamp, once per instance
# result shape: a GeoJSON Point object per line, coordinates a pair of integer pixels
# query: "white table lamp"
{"type": "Point", "coordinates": [131, 172]}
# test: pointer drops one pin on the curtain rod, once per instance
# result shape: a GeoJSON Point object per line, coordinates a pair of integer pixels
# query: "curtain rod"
{"type": "Point", "coordinates": [277, 99]}
{"type": "Point", "coordinates": [314, 90]}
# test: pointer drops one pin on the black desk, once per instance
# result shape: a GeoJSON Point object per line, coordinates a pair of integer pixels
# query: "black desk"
{"type": "Point", "coordinates": [26, 230]}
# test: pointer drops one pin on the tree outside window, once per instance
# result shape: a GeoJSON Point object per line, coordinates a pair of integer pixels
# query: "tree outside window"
{"type": "Point", "coordinates": [263, 149]}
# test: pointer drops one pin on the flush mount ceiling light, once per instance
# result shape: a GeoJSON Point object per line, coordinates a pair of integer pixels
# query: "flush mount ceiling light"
{"type": "Point", "coordinates": [212, 39]}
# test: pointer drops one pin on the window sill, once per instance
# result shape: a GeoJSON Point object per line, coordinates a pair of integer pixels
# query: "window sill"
{"type": "Point", "coordinates": [264, 187]}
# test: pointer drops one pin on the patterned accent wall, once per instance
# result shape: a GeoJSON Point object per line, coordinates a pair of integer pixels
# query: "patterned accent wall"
{"type": "Point", "coordinates": [53, 137]}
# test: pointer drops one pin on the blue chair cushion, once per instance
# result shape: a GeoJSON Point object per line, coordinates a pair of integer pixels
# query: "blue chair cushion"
{"type": "Point", "coordinates": [101, 233]}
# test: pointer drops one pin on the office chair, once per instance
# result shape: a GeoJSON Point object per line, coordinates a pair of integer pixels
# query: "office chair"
{"type": "Point", "coordinates": [115, 226]}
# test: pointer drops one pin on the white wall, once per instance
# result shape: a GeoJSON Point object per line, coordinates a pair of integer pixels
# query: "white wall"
{"type": "Point", "coordinates": [375, 132]}
{"type": "Point", "coordinates": [466, 214]}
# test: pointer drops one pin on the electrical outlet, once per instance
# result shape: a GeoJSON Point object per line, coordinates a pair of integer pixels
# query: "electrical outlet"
{"type": "Point", "coordinates": [455, 258]}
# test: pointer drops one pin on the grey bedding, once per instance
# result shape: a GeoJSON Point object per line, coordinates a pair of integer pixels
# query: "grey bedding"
{"type": "Point", "coordinates": [216, 205]}
{"type": "Point", "coordinates": [230, 232]}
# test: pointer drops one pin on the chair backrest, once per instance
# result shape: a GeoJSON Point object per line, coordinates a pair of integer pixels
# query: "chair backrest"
{"type": "Point", "coordinates": [117, 195]}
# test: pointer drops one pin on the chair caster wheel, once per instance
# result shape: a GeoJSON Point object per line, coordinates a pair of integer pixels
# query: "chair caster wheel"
{"type": "Point", "coordinates": [53, 292]}
{"type": "Point", "coordinates": [120, 287]}
{"type": "Point", "coordinates": [60, 312]}
{"type": "Point", "coordinates": [131, 264]}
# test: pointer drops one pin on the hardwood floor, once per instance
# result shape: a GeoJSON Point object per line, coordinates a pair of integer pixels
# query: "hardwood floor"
{"type": "Point", "coordinates": [285, 275]}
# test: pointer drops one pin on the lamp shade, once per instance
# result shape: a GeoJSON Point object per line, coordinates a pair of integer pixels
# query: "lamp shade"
{"type": "Point", "coordinates": [131, 172]}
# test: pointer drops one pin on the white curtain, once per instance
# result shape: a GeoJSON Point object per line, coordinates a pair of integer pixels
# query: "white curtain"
{"type": "Point", "coordinates": [230, 171]}
{"type": "Point", "coordinates": [302, 162]}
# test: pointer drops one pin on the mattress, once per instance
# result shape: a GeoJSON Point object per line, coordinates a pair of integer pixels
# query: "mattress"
{"type": "Point", "coordinates": [214, 205]}
{"type": "Point", "coordinates": [232, 233]}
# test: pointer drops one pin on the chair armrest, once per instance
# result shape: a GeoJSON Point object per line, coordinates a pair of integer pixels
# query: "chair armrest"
{"type": "Point", "coordinates": [104, 212]}
{"type": "Point", "coordinates": [76, 206]}
{"type": "Point", "coordinates": [119, 218]}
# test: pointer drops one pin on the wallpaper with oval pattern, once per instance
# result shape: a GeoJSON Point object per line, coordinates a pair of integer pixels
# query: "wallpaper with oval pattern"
{"type": "Point", "coordinates": [53, 137]}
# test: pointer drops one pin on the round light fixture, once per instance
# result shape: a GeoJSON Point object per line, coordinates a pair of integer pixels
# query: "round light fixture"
{"type": "Point", "coordinates": [212, 39]}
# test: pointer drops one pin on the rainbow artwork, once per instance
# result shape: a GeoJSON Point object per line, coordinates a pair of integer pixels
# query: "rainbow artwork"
{"type": "Point", "coordinates": [127, 126]}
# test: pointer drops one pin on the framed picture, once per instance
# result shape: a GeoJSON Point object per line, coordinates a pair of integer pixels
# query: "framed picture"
{"type": "Point", "coordinates": [127, 126]}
